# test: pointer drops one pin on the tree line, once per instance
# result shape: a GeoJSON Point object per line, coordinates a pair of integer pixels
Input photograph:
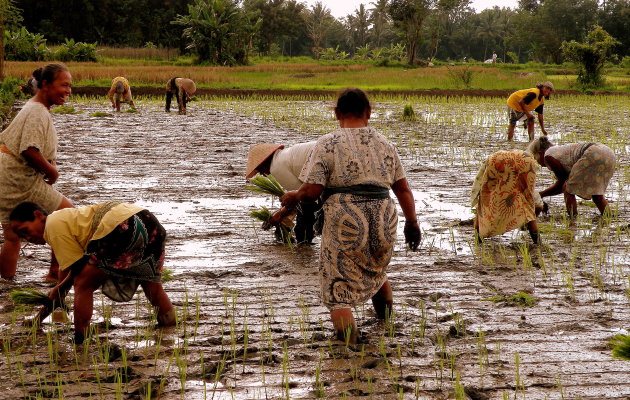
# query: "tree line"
{"type": "Point", "coordinates": [227, 32]}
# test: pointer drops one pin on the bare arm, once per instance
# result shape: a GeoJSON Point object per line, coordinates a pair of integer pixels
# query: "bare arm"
{"type": "Point", "coordinates": [307, 193]}
{"type": "Point", "coordinates": [405, 199]}
{"type": "Point", "coordinates": [522, 104]}
{"type": "Point", "coordinates": [36, 160]}
{"type": "Point", "coordinates": [542, 124]}
{"type": "Point", "coordinates": [561, 175]}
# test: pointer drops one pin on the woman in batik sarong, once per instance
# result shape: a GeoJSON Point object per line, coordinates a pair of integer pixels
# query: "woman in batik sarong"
{"type": "Point", "coordinates": [582, 169]}
{"type": "Point", "coordinates": [354, 168]}
{"type": "Point", "coordinates": [28, 154]}
{"type": "Point", "coordinates": [112, 246]}
{"type": "Point", "coordinates": [504, 194]}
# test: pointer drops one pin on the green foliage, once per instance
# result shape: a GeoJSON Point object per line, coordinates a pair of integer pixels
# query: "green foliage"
{"type": "Point", "coordinates": [333, 54]}
{"type": "Point", "coordinates": [21, 45]}
{"type": "Point", "coordinates": [76, 51]}
{"type": "Point", "coordinates": [625, 62]}
{"type": "Point", "coordinates": [266, 185]}
{"type": "Point", "coordinates": [591, 56]}
{"type": "Point", "coordinates": [461, 76]}
{"type": "Point", "coordinates": [621, 347]}
{"type": "Point", "coordinates": [9, 91]}
{"type": "Point", "coordinates": [408, 17]}
{"type": "Point", "coordinates": [512, 56]}
{"type": "Point", "coordinates": [521, 299]}
{"type": "Point", "coordinates": [64, 109]}
{"type": "Point", "coordinates": [408, 113]}
{"type": "Point", "coordinates": [218, 31]}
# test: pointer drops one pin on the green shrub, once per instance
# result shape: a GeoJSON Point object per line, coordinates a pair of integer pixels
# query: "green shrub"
{"type": "Point", "coordinates": [9, 91]}
{"type": "Point", "coordinates": [76, 51]}
{"type": "Point", "coordinates": [625, 62]}
{"type": "Point", "coordinates": [21, 45]}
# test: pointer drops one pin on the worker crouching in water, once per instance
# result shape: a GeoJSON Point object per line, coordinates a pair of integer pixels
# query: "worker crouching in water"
{"type": "Point", "coordinates": [182, 89]}
{"type": "Point", "coordinates": [285, 164]}
{"type": "Point", "coordinates": [112, 246]}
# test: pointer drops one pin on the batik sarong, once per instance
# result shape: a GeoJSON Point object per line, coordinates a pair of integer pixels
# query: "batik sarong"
{"type": "Point", "coordinates": [357, 243]}
{"type": "Point", "coordinates": [506, 194]}
{"type": "Point", "coordinates": [132, 253]}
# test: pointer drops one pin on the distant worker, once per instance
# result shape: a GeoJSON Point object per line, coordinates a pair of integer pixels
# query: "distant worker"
{"type": "Point", "coordinates": [494, 57]}
{"type": "Point", "coordinates": [122, 91]}
{"type": "Point", "coordinates": [285, 164]}
{"type": "Point", "coordinates": [521, 104]}
{"type": "Point", "coordinates": [182, 88]}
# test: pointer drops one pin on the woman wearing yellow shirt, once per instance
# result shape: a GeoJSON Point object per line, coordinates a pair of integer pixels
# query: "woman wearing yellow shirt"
{"type": "Point", "coordinates": [112, 246]}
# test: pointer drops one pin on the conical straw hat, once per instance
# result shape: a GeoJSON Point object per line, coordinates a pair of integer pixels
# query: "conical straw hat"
{"type": "Point", "coordinates": [257, 155]}
{"type": "Point", "coordinates": [188, 85]}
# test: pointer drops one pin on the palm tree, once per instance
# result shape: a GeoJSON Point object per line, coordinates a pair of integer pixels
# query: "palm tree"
{"type": "Point", "coordinates": [380, 20]}
{"type": "Point", "coordinates": [318, 22]}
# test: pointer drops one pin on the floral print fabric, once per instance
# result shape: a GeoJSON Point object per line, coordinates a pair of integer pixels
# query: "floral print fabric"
{"type": "Point", "coordinates": [359, 233]}
{"type": "Point", "coordinates": [506, 198]}
{"type": "Point", "coordinates": [590, 167]}
{"type": "Point", "coordinates": [131, 253]}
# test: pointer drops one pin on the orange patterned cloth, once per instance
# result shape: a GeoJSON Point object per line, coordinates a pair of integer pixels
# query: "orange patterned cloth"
{"type": "Point", "coordinates": [504, 192]}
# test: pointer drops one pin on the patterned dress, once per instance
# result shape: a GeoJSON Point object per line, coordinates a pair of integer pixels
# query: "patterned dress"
{"type": "Point", "coordinates": [590, 167]}
{"type": "Point", "coordinates": [19, 182]}
{"type": "Point", "coordinates": [504, 192]}
{"type": "Point", "coordinates": [359, 232]}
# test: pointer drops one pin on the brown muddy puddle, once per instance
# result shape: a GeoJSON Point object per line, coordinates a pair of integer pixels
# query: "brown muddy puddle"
{"type": "Point", "coordinates": [251, 324]}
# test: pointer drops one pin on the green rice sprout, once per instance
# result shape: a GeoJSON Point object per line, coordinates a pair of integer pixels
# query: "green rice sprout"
{"type": "Point", "coordinates": [64, 109]}
{"type": "Point", "coordinates": [263, 214]}
{"type": "Point", "coordinates": [167, 275]}
{"type": "Point", "coordinates": [29, 297]}
{"type": "Point", "coordinates": [100, 114]}
{"type": "Point", "coordinates": [621, 346]}
{"type": "Point", "coordinates": [267, 185]}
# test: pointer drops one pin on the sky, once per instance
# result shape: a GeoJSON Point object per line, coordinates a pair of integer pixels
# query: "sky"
{"type": "Point", "coordinates": [341, 8]}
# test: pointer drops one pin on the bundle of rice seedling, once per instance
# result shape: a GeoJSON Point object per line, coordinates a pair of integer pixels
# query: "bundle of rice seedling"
{"type": "Point", "coordinates": [167, 275]}
{"type": "Point", "coordinates": [283, 232]}
{"type": "Point", "coordinates": [621, 346]}
{"type": "Point", "coordinates": [29, 297]}
{"type": "Point", "coordinates": [267, 185]}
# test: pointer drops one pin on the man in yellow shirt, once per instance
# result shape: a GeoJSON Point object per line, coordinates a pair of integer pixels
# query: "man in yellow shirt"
{"type": "Point", "coordinates": [522, 102]}
{"type": "Point", "coordinates": [112, 246]}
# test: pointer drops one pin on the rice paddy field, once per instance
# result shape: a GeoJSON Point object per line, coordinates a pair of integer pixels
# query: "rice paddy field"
{"type": "Point", "coordinates": [501, 320]}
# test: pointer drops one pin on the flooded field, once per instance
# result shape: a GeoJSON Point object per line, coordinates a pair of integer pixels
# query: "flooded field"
{"type": "Point", "coordinates": [504, 320]}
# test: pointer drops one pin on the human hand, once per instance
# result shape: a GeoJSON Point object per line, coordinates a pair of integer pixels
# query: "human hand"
{"type": "Point", "coordinates": [277, 217]}
{"type": "Point", "coordinates": [412, 234]}
{"type": "Point", "coordinates": [290, 200]}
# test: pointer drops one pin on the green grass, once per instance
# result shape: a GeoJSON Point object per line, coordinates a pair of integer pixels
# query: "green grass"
{"type": "Point", "coordinates": [308, 74]}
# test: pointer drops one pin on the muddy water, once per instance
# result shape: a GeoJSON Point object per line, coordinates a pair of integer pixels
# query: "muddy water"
{"type": "Point", "coordinates": [251, 324]}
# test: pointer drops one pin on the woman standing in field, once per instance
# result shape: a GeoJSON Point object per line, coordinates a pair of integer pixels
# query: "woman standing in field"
{"type": "Point", "coordinates": [582, 169]}
{"type": "Point", "coordinates": [505, 196]}
{"type": "Point", "coordinates": [28, 150]}
{"type": "Point", "coordinates": [354, 167]}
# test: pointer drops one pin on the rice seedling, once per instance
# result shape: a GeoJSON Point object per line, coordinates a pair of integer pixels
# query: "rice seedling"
{"type": "Point", "coordinates": [266, 185]}
{"type": "Point", "coordinates": [620, 346]}
{"type": "Point", "coordinates": [29, 297]}
{"type": "Point", "coordinates": [100, 114]}
{"type": "Point", "coordinates": [408, 113]}
{"type": "Point", "coordinates": [65, 109]}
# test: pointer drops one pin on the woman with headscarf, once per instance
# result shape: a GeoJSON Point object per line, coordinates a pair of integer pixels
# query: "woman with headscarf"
{"type": "Point", "coordinates": [583, 169]}
{"type": "Point", "coordinates": [182, 89]}
{"type": "Point", "coordinates": [28, 153]}
{"type": "Point", "coordinates": [354, 168]}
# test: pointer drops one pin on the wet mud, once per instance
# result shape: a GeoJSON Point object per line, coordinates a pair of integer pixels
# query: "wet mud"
{"type": "Point", "coordinates": [251, 325]}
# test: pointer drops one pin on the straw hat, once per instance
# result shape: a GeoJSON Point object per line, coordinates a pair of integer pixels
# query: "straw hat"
{"type": "Point", "coordinates": [548, 84]}
{"type": "Point", "coordinates": [188, 85]}
{"type": "Point", "coordinates": [257, 155]}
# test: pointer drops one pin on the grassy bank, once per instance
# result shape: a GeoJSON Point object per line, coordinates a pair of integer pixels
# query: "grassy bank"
{"type": "Point", "coordinates": [322, 75]}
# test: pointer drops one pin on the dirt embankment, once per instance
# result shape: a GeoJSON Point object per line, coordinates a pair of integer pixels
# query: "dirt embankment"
{"type": "Point", "coordinates": [154, 91]}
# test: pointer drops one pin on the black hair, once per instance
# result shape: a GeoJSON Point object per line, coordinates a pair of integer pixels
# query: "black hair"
{"type": "Point", "coordinates": [352, 101]}
{"type": "Point", "coordinates": [48, 73]}
{"type": "Point", "coordinates": [26, 212]}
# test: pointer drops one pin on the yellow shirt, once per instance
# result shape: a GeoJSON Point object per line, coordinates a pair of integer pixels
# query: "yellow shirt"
{"type": "Point", "coordinates": [69, 231]}
{"type": "Point", "coordinates": [517, 96]}
{"type": "Point", "coordinates": [126, 94]}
